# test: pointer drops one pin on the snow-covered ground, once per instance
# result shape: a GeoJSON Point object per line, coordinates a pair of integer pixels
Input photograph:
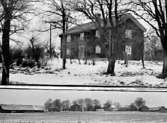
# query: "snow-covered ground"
{"type": "Point", "coordinates": [81, 74]}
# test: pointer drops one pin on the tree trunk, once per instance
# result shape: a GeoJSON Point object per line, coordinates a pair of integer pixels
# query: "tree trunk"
{"type": "Point", "coordinates": [93, 62]}
{"type": "Point", "coordinates": [5, 51]}
{"type": "Point", "coordinates": [86, 59]}
{"type": "Point", "coordinates": [164, 45]}
{"type": "Point", "coordinates": [50, 46]}
{"type": "Point", "coordinates": [64, 51]}
{"type": "Point", "coordinates": [70, 60]}
{"type": "Point", "coordinates": [93, 59]}
{"type": "Point", "coordinates": [111, 67]}
{"type": "Point", "coordinates": [163, 75]}
{"type": "Point", "coordinates": [79, 61]}
{"type": "Point", "coordinates": [142, 59]}
{"type": "Point", "coordinates": [125, 59]}
{"type": "Point", "coordinates": [71, 55]}
{"type": "Point", "coordinates": [33, 53]}
{"type": "Point", "coordinates": [64, 63]}
{"type": "Point", "coordinates": [64, 36]}
{"type": "Point", "coordinates": [164, 69]}
{"type": "Point", "coordinates": [111, 59]}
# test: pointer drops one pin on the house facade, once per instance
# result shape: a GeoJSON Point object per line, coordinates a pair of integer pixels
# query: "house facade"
{"type": "Point", "coordinates": [86, 41]}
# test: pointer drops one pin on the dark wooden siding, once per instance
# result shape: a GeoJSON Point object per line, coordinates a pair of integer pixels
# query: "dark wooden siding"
{"type": "Point", "coordinates": [90, 42]}
{"type": "Point", "coordinates": [137, 40]}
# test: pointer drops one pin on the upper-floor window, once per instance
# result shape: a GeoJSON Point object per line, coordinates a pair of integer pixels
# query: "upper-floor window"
{"type": "Point", "coordinates": [68, 38]}
{"type": "Point", "coordinates": [128, 33]}
{"type": "Point", "coordinates": [75, 37]}
{"type": "Point", "coordinates": [82, 36]}
{"type": "Point", "coordinates": [97, 34]}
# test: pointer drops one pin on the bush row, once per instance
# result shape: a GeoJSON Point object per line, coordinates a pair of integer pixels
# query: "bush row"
{"type": "Point", "coordinates": [29, 57]}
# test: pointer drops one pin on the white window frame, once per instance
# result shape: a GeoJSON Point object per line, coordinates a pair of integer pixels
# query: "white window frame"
{"type": "Point", "coordinates": [97, 34]}
{"type": "Point", "coordinates": [68, 51]}
{"type": "Point", "coordinates": [68, 38]}
{"type": "Point", "coordinates": [128, 49]}
{"type": "Point", "coordinates": [98, 49]}
{"type": "Point", "coordinates": [128, 33]}
{"type": "Point", "coordinates": [82, 36]}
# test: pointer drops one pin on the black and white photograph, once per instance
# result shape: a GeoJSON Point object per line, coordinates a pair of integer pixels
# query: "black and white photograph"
{"type": "Point", "coordinates": [83, 61]}
{"type": "Point", "coordinates": [84, 42]}
{"type": "Point", "coordinates": [64, 106]}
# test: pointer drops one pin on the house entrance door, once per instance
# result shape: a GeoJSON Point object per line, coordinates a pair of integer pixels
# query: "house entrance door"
{"type": "Point", "coordinates": [81, 52]}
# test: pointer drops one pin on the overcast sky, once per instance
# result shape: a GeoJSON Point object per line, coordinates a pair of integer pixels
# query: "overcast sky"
{"type": "Point", "coordinates": [32, 28]}
{"type": "Point", "coordinates": [38, 97]}
{"type": "Point", "coordinates": [38, 23]}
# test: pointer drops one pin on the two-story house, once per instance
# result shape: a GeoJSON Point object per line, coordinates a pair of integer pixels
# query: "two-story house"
{"type": "Point", "coordinates": [85, 41]}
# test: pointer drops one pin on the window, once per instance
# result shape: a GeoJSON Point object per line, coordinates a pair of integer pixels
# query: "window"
{"type": "Point", "coordinates": [68, 38]}
{"type": "Point", "coordinates": [128, 49]}
{"type": "Point", "coordinates": [98, 49]}
{"type": "Point", "coordinates": [82, 36]}
{"type": "Point", "coordinates": [97, 34]}
{"type": "Point", "coordinates": [128, 33]}
{"type": "Point", "coordinates": [81, 51]}
{"type": "Point", "coordinates": [68, 51]}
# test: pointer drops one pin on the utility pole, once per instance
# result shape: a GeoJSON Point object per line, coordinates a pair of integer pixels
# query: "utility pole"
{"type": "Point", "coordinates": [50, 46]}
{"type": "Point", "coordinates": [165, 17]}
{"type": "Point", "coordinates": [110, 46]}
{"type": "Point", "coordinates": [64, 36]}
{"type": "Point", "coordinates": [165, 10]}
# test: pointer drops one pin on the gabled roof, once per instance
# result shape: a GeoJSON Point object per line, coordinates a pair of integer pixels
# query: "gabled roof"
{"type": "Point", "coordinates": [92, 26]}
{"type": "Point", "coordinates": [82, 28]}
{"type": "Point", "coordinates": [21, 107]}
{"type": "Point", "coordinates": [157, 108]}
{"type": "Point", "coordinates": [130, 16]}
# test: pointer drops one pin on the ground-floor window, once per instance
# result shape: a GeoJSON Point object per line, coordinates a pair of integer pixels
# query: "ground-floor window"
{"type": "Point", "coordinates": [98, 49]}
{"type": "Point", "coordinates": [81, 52]}
{"type": "Point", "coordinates": [128, 49]}
{"type": "Point", "coordinates": [68, 51]}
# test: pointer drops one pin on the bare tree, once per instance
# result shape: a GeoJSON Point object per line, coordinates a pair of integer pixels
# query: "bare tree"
{"type": "Point", "coordinates": [11, 10]}
{"type": "Point", "coordinates": [154, 13]}
{"type": "Point", "coordinates": [139, 103]}
{"type": "Point", "coordinates": [81, 102]}
{"type": "Point", "coordinates": [48, 104]}
{"type": "Point", "coordinates": [96, 104]}
{"type": "Point", "coordinates": [59, 10]}
{"type": "Point", "coordinates": [65, 105]}
{"type": "Point", "coordinates": [106, 24]}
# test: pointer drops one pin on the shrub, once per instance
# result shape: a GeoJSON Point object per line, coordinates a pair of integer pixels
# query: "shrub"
{"type": "Point", "coordinates": [28, 63]}
{"type": "Point", "coordinates": [35, 53]}
{"type": "Point", "coordinates": [16, 55]}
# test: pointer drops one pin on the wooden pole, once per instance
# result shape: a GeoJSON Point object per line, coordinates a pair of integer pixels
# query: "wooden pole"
{"type": "Point", "coordinates": [50, 47]}
{"type": "Point", "coordinates": [165, 10]}
{"type": "Point", "coordinates": [110, 46]}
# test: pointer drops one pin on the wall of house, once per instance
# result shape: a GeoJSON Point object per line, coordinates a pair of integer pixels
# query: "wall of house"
{"type": "Point", "coordinates": [90, 42]}
{"type": "Point", "coordinates": [73, 46]}
{"type": "Point", "coordinates": [137, 41]}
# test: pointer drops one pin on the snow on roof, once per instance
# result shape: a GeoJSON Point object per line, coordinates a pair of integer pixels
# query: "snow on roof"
{"type": "Point", "coordinates": [21, 107]}
{"type": "Point", "coordinates": [82, 28]}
